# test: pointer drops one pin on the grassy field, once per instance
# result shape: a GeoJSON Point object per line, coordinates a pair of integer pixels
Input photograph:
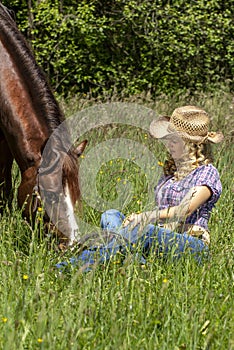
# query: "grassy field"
{"type": "Point", "coordinates": [160, 305]}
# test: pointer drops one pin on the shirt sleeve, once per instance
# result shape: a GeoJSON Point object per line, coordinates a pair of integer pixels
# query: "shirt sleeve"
{"type": "Point", "coordinates": [209, 176]}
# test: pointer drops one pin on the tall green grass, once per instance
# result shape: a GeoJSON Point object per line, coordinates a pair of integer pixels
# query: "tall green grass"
{"type": "Point", "coordinates": [161, 305]}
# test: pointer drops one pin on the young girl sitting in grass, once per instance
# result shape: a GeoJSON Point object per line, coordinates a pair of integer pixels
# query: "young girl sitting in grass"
{"type": "Point", "coordinates": [185, 196]}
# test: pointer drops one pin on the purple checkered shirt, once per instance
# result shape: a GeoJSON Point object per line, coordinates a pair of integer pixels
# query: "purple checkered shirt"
{"type": "Point", "coordinates": [169, 193]}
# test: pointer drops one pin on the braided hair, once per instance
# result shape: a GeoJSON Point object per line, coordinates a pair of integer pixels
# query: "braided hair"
{"type": "Point", "coordinates": [197, 155]}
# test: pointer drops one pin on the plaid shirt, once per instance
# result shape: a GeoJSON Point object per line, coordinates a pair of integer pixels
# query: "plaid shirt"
{"type": "Point", "coordinates": [169, 193]}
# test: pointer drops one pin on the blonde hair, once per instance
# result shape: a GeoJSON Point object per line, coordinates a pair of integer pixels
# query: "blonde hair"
{"type": "Point", "coordinates": [196, 155]}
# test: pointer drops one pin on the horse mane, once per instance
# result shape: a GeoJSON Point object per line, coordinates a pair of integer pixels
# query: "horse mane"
{"type": "Point", "coordinates": [33, 77]}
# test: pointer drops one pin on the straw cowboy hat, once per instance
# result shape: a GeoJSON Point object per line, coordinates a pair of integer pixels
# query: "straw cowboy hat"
{"type": "Point", "coordinates": [189, 122]}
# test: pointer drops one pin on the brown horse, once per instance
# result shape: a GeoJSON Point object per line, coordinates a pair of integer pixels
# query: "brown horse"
{"type": "Point", "coordinates": [29, 115]}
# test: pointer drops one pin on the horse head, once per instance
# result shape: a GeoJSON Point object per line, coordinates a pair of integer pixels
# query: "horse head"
{"type": "Point", "coordinates": [58, 185]}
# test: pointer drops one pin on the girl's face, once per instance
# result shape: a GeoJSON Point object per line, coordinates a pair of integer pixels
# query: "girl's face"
{"type": "Point", "coordinates": [175, 145]}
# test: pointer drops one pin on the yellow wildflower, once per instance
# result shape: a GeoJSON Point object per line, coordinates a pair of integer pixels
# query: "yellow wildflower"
{"type": "Point", "coordinates": [25, 277]}
{"type": "Point", "coordinates": [4, 319]}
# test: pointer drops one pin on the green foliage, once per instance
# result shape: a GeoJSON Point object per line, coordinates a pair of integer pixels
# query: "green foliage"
{"type": "Point", "coordinates": [131, 46]}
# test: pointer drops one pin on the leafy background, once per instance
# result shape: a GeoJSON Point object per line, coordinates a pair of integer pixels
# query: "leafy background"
{"type": "Point", "coordinates": [130, 46]}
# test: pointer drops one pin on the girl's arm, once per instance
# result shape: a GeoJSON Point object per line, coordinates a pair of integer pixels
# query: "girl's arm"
{"type": "Point", "coordinates": [191, 202]}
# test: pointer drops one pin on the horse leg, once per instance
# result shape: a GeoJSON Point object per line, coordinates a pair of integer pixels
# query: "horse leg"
{"type": "Point", "coordinates": [6, 160]}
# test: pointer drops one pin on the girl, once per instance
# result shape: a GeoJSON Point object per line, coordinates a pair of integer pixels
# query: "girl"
{"type": "Point", "coordinates": [185, 196]}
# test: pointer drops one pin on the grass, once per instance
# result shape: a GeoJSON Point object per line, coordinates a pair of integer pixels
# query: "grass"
{"type": "Point", "coordinates": [162, 305]}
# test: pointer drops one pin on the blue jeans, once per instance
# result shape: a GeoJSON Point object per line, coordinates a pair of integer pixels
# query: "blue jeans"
{"type": "Point", "coordinates": [163, 242]}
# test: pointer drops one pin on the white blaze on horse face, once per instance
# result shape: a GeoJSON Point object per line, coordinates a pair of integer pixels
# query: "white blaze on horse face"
{"type": "Point", "coordinates": [71, 217]}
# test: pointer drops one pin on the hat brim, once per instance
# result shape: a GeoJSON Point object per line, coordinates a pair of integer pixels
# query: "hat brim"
{"type": "Point", "coordinates": [159, 128]}
{"type": "Point", "coordinates": [215, 137]}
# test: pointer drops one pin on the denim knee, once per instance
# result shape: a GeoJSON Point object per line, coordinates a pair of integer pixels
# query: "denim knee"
{"type": "Point", "coordinates": [111, 219]}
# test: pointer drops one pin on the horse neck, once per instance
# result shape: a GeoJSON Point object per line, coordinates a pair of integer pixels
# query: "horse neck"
{"type": "Point", "coordinates": [29, 111]}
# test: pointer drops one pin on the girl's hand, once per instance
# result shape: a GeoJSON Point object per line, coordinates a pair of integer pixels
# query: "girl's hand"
{"type": "Point", "coordinates": [141, 219]}
{"type": "Point", "coordinates": [133, 220]}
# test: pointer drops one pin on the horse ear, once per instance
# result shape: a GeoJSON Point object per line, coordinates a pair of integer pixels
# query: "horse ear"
{"type": "Point", "coordinates": [80, 148]}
